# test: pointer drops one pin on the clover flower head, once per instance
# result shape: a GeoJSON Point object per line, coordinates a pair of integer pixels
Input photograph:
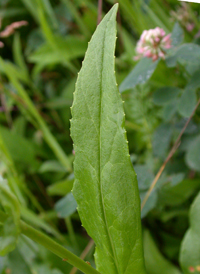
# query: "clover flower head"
{"type": "Point", "coordinates": [153, 44]}
{"type": "Point", "coordinates": [183, 16]}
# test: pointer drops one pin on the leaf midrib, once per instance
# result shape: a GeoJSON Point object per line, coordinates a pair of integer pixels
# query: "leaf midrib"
{"type": "Point", "coordinates": [100, 118]}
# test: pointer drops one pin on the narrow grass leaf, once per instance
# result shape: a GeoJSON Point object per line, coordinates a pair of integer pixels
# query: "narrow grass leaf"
{"type": "Point", "coordinates": [10, 228]}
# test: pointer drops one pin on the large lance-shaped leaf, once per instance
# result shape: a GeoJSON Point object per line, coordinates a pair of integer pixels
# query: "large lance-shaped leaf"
{"type": "Point", "coordinates": [105, 183]}
{"type": "Point", "coordinates": [190, 248]}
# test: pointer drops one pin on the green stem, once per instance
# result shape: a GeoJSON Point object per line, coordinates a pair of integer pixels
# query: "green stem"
{"type": "Point", "coordinates": [54, 247]}
{"type": "Point", "coordinates": [71, 231]}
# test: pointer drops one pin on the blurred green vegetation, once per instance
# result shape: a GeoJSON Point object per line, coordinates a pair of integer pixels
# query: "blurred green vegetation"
{"type": "Point", "coordinates": [38, 69]}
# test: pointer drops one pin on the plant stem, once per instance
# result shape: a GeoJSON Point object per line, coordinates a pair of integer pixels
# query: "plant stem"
{"type": "Point", "coordinates": [53, 246]}
{"type": "Point", "coordinates": [84, 254]}
{"type": "Point", "coordinates": [71, 231]}
{"type": "Point", "coordinates": [100, 4]}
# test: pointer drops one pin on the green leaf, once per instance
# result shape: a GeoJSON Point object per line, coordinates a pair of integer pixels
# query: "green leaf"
{"type": "Point", "coordinates": [61, 188]}
{"type": "Point", "coordinates": [21, 149]}
{"type": "Point", "coordinates": [175, 195]}
{"type": "Point", "coordinates": [3, 261]}
{"type": "Point", "coordinates": [150, 203]}
{"type": "Point", "coordinates": [177, 35]}
{"type": "Point", "coordinates": [18, 57]}
{"type": "Point", "coordinates": [193, 154]}
{"type": "Point", "coordinates": [17, 264]}
{"type": "Point", "coordinates": [161, 140]}
{"type": "Point", "coordinates": [10, 12]}
{"type": "Point", "coordinates": [51, 166]}
{"type": "Point", "coordinates": [139, 75]}
{"type": "Point", "coordinates": [194, 82]}
{"type": "Point", "coordinates": [10, 228]}
{"type": "Point", "coordinates": [33, 219]}
{"type": "Point", "coordinates": [154, 260]}
{"type": "Point", "coordinates": [190, 248]}
{"type": "Point", "coordinates": [105, 188]}
{"type": "Point", "coordinates": [165, 95]}
{"type": "Point", "coordinates": [13, 69]}
{"type": "Point", "coordinates": [64, 50]}
{"type": "Point", "coordinates": [169, 110]}
{"type": "Point", "coordinates": [187, 53]}
{"type": "Point", "coordinates": [31, 7]}
{"type": "Point", "coordinates": [49, 10]}
{"type": "Point", "coordinates": [80, 22]}
{"type": "Point", "coordinates": [66, 206]}
{"type": "Point", "coordinates": [144, 176]}
{"type": "Point", "coordinates": [45, 269]}
{"type": "Point", "coordinates": [187, 102]}
{"type": "Point", "coordinates": [35, 117]}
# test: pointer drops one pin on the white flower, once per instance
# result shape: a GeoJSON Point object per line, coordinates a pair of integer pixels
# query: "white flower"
{"type": "Point", "coordinates": [153, 44]}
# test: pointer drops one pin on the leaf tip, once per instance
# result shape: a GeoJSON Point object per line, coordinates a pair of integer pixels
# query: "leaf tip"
{"type": "Point", "coordinates": [115, 6]}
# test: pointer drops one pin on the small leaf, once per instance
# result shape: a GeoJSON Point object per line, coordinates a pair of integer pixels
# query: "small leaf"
{"type": "Point", "coordinates": [10, 229]}
{"type": "Point", "coordinates": [51, 166]}
{"type": "Point", "coordinates": [105, 186]}
{"type": "Point", "coordinates": [3, 261]}
{"type": "Point", "coordinates": [66, 49]}
{"type": "Point", "coordinates": [187, 102]}
{"type": "Point", "coordinates": [61, 188]}
{"type": "Point", "coordinates": [21, 150]}
{"type": "Point", "coordinates": [193, 154]}
{"type": "Point", "coordinates": [190, 248]}
{"type": "Point", "coordinates": [17, 264]}
{"type": "Point", "coordinates": [161, 140]}
{"type": "Point", "coordinates": [165, 95]}
{"type": "Point", "coordinates": [169, 110]}
{"type": "Point", "coordinates": [154, 260]}
{"type": "Point", "coordinates": [66, 206]}
{"type": "Point", "coordinates": [194, 82]}
{"type": "Point", "coordinates": [150, 203]}
{"type": "Point", "coordinates": [18, 57]}
{"type": "Point", "coordinates": [175, 194]}
{"type": "Point", "coordinates": [187, 53]}
{"type": "Point", "coordinates": [139, 75]}
{"type": "Point", "coordinates": [144, 176]}
{"type": "Point", "coordinates": [177, 35]}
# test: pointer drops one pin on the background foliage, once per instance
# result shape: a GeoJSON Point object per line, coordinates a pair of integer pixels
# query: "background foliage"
{"type": "Point", "coordinates": [39, 65]}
